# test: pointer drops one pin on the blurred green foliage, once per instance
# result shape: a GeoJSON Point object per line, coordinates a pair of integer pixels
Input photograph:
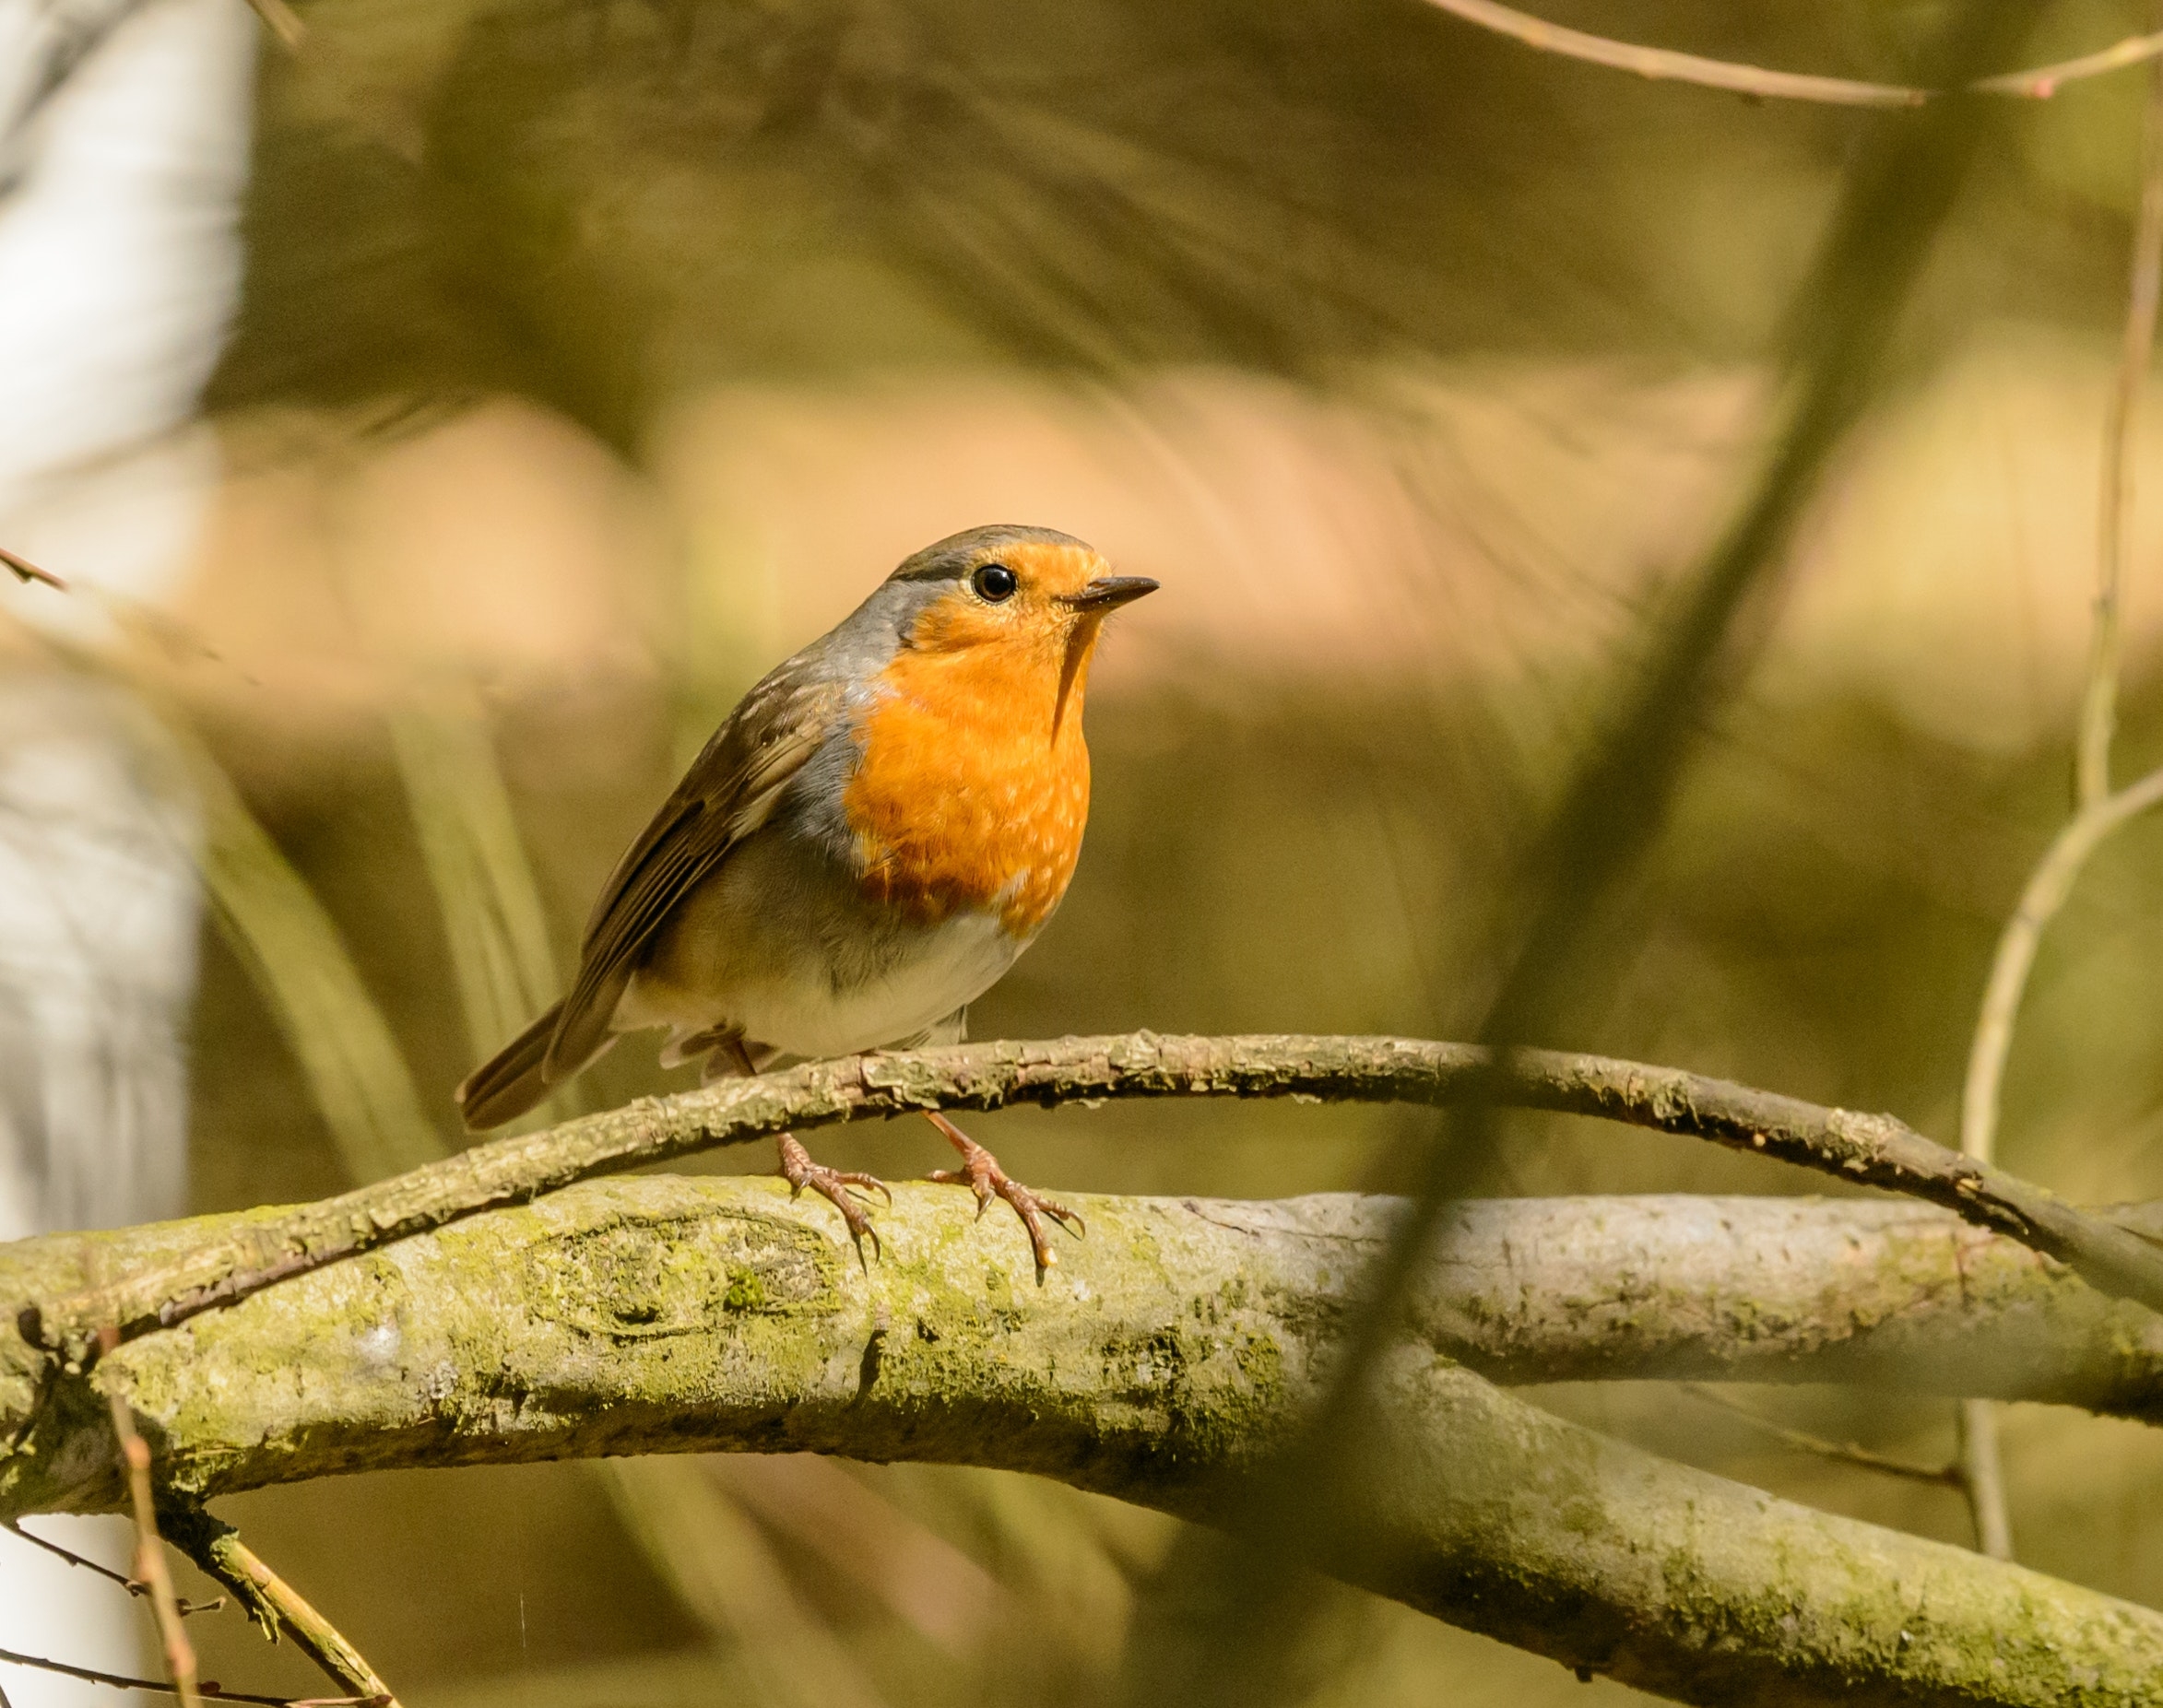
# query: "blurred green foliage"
{"type": "Point", "coordinates": [613, 203]}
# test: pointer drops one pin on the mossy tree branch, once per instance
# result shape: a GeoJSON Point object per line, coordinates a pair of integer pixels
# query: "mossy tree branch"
{"type": "Point", "coordinates": [1874, 1293]}
{"type": "Point", "coordinates": [1870, 1149]}
{"type": "Point", "coordinates": [1170, 1356]}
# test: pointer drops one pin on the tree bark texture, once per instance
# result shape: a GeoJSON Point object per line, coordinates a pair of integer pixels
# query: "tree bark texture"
{"type": "Point", "coordinates": [1164, 1359]}
{"type": "Point", "coordinates": [1869, 1150]}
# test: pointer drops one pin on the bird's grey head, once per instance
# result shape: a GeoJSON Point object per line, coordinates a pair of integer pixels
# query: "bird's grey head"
{"type": "Point", "coordinates": [1004, 582]}
{"type": "Point", "coordinates": [972, 565]}
{"type": "Point", "coordinates": [957, 556]}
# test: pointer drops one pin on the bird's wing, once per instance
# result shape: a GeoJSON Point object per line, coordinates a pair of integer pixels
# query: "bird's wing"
{"type": "Point", "coordinates": [728, 793]}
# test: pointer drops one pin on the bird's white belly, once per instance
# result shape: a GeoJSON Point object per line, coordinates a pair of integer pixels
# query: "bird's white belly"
{"type": "Point", "coordinates": [809, 981]}
{"type": "Point", "coordinates": [805, 1012]}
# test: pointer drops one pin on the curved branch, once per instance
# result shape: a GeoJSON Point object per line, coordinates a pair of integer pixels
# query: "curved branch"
{"type": "Point", "coordinates": [1172, 1354]}
{"type": "Point", "coordinates": [2046, 892]}
{"type": "Point", "coordinates": [1874, 1151]}
{"type": "Point", "coordinates": [1660, 65]}
{"type": "Point", "coordinates": [1665, 66]}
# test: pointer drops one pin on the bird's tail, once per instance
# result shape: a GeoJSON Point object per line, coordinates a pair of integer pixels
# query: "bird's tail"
{"type": "Point", "coordinates": [510, 1081]}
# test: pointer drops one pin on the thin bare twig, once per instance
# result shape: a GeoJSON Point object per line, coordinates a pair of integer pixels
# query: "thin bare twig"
{"type": "Point", "coordinates": [135, 1459]}
{"type": "Point", "coordinates": [1982, 1477]}
{"type": "Point", "coordinates": [134, 1586]}
{"type": "Point", "coordinates": [2096, 812]}
{"type": "Point", "coordinates": [2040, 901]}
{"type": "Point", "coordinates": [211, 1691]}
{"type": "Point", "coordinates": [1666, 65]}
{"type": "Point", "coordinates": [274, 1604]}
{"type": "Point", "coordinates": [1663, 64]}
{"type": "Point", "coordinates": [2098, 715]}
{"type": "Point", "coordinates": [1865, 1149]}
{"type": "Point", "coordinates": [1845, 1453]}
{"type": "Point", "coordinates": [25, 570]}
{"type": "Point", "coordinates": [2045, 81]}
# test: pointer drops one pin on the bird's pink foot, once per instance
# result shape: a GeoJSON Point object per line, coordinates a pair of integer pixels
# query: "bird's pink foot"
{"type": "Point", "coordinates": [981, 1173]}
{"type": "Point", "coordinates": [834, 1185]}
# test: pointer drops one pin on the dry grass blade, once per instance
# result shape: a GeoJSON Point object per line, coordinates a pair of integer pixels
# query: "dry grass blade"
{"type": "Point", "coordinates": [497, 930]}
{"type": "Point", "coordinates": [1982, 1477]}
{"type": "Point", "coordinates": [289, 945]}
{"type": "Point", "coordinates": [725, 1573]}
{"type": "Point", "coordinates": [2042, 898]}
{"type": "Point", "coordinates": [920, 1577]}
{"type": "Point", "coordinates": [282, 21]}
{"type": "Point", "coordinates": [491, 909]}
{"type": "Point", "coordinates": [293, 952]}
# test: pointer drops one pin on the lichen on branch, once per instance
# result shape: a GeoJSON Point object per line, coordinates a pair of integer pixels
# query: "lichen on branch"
{"type": "Point", "coordinates": [1170, 1355]}
{"type": "Point", "coordinates": [1870, 1149]}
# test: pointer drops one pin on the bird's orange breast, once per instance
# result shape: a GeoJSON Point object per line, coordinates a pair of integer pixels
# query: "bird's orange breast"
{"type": "Point", "coordinates": [972, 790]}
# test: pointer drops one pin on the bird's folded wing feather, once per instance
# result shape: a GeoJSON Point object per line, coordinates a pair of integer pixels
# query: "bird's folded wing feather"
{"type": "Point", "coordinates": [730, 791]}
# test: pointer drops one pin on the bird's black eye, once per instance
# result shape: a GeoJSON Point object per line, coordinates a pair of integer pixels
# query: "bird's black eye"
{"type": "Point", "coordinates": [993, 583]}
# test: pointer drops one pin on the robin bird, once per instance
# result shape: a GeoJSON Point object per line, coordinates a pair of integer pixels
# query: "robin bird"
{"type": "Point", "coordinates": [871, 839]}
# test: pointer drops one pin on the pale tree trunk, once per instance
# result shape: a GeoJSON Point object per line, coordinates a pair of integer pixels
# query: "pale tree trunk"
{"type": "Point", "coordinates": [123, 137]}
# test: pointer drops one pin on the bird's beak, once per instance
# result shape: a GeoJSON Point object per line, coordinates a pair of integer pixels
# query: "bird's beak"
{"type": "Point", "coordinates": [1109, 590]}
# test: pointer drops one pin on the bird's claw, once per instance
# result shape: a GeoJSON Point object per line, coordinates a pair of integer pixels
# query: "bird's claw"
{"type": "Point", "coordinates": [981, 1173]}
{"type": "Point", "coordinates": [834, 1185]}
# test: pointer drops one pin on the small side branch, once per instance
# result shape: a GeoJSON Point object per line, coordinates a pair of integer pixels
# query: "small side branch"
{"type": "Point", "coordinates": [275, 1605]}
{"type": "Point", "coordinates": [2044, 82]}
{"type": "Point", "coordinates": [256, 1252]}
{"type": "Point", "coordinates": [134, 1586]}
{"type": "Point", "coordinates": [1841, 1452]}
{"type": "Point", "coordinates": [1665, 66]}
{"type": "Point", "coordinates": [211, 1692]}
{"type": "Point", "coordinates": [25, 570]}
{"type": "Point", "coordinates": [2045, 894]}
